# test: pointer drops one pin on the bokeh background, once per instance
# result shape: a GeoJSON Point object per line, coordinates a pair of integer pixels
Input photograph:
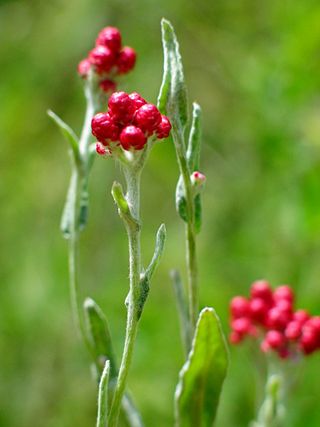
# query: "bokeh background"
{"type": "Point", "coordinates": [254, 66]}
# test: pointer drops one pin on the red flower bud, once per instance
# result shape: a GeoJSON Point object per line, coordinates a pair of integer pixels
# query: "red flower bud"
{"type": "Point", "coordinates": [277, 319]}
{"type": "Point", "coordinates": [283, 292]}
{"type": "Point", "coordinates": [242, 325]}
{"type": "Point", "coordinates": [275, 339]}
{"type": "Point", "coordinates": [101, 150]}
{"type": "Point", "coordinates": [239, 307]}
{"type": "Point", "coordinates": [259, 309]}
{"type": "Point", "coordinates": [102, 58]}
{"type": "Point", "coordinates": [104, 128]}
{"type": "Point", "coordinates": [137, 100]}
{"type": "Point", "coordinates": [148, 118]}
{"type": "Point", "coordinates": [108, 86]}
{"type": "Point", "coordinates": [164, 128]}
{"type": "Point", "coordinates": [83, 68]}
{"type": "Point", "coordinates": [121, 107]}
{"type": "Point", "coordinates": [301, 316]}
{"type": "Point", "coordinates": [132, 137]}
{"type": "Point", "coordinates": [261, 289]}
{"type": "Point", "coordinates": [293, 330]}
{"type": "Point", "coordinates": [109, 37]}
{"type": "Point", "coordinates": [126, 60]}
{"type": "Point", "coordinates": [309, 340]}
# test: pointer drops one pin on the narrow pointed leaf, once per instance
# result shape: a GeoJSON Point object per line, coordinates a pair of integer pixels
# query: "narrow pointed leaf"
{"type": "Point", "coordinates": [103, 396]}
{"type": "Point", "coordinates": [201, 378]}
{"type": "Point", "coordinates": [172, 98]}
{"type": "Point", "coordinates": [181, 202]}
{"type": "Point", "coordinates": [68, 210]}
{"type": "Point", "coordinates": [69, 135]}
{"type": "Point", "coordinates": [158, 251]}
{"type": "Point", "coordinates": [194, 143]}
{"type": "Point", "coordinates": [99, 334]}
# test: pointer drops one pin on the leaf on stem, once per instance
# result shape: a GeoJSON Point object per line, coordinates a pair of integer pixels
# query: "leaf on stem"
{"type": "Point", "coordinates": [158, 251]}
{"type": "Point", "coordinates": [147, 275]}
{"type": "Point", "coordinates": [194, 142]}
{"type": "Point", "coordinates": [173, 99]}
{"type": "Point", "coordinates": [181, 202]}
{"type": "Point", "coordinates": [201, 378]}
{"type": "Point", "coordinates": [69, 135]}
{"type": "Point", "coordinates": [102, 417]}
{"type": "Point", "coordinates": [99, 335]}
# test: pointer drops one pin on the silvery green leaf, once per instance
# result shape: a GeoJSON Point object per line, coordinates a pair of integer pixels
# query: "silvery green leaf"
{"type": "Point", "coordinates": [102, 416]}
{"type": "Point", "coordinates": [181, 202]}
{"type": "Point", "coordinates": [99, 335]}
{"type": "Point", "coordinates": [69, 135]}
{"type": "Point", "coordinates": [158, 251]}
{"type": "Point", "coordinates": [201, 378]}
{"type": "Point", "coordinates": [194, 142]}
{"type": "Point", "coordinates": [172, 99]}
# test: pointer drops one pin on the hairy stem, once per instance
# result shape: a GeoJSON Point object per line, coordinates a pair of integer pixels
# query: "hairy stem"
{"type": "Point", "coordinates": [190, 230]}
{"type": "Point", "coordinates": [133, 231]}
{"type": "Point", "coordinates": [78, 178]}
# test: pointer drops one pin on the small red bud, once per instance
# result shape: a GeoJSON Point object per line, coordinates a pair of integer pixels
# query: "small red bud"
{"type": "Point", "coordinates": [121, 107]}
{"type": "Point", "coordinates": [259, 309]}
{"type": "Point", "coordinates": [283, 292]}
{"type": "Point", "coordinates": [83, 68]}
{"type": "Point", "coordinates": [132, 137]}
{"type": "Point", "coordinates": [101, 150]}
{"type": "Point", "coordinates": [239, 307]}
{"type": "Point", "coordinates": [110, 37]}
{"type": "Point", "coordinates": [137, 100]}
{"type": "Point", "coordinates": [164, 128]}
{"type": "Point", "coordinates": [293, 330]}
{"type": "Point", "coordinates": [148, 118]}
{"type": "Point", "coordinates": [126, 60]}
{"type": "Point", "coordinates": [242, 325]}
{"type": "Point", "coordinates": [301, 316]}
{"type": "Point", "coordinates": [102, 58]}
{"type": "Point", "coordinates": [104, 128]}
{"type": "Point", "coordinates": [261, 289]}
{"type": "Point", "coordinates": [108, 86]}
{"type": "Point", "coordinates": [275, 339]}
{"type": "Point", "coordinates": [277, 319]}
{"type": "Point", "coordinates": [198, 178]}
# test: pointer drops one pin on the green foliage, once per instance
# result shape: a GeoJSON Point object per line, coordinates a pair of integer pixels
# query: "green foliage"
{"type": "Point", "coordinates": [203, 374]}
{"type": "Point", "coordinates": [102, 416]}
{"type": "Point", "coordinates": [254, 68]}
{"type": "Point", "coordinates": [99, 334]}
{"type": "Point", "coordinates": [173, 99]}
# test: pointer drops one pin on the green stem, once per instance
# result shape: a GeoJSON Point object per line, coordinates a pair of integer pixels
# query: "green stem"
{"type": "Point", "coordinates": [190, 230]}
{"type": "Point", "coordinates": [133, 231]}
{"type": "Point", "coordinates": [78, 179]}
{"type": "Point", "coordinates": [271, 413]}
{"type": "Point", "coordinates": [74, 261]}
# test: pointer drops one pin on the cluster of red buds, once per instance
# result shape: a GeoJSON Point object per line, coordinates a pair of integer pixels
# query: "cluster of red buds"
{"type": "Point", "coordinates": [128, 123]}
{"type": "Point", "coordinates": [108, 58]}
{"type": "Point", "coordinates": [269, 316]}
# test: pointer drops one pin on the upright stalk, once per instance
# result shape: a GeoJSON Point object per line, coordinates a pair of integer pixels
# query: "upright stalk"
{"type": "Point", "coordinates": [133, 231]}
{"type": "Point", "coordinates": [78, 198]}
{"type": "Point", "coordinates": [191, 258]}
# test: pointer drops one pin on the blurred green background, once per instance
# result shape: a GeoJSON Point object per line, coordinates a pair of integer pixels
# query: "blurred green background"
{"type": "Point", "coordinates": [254, 66]}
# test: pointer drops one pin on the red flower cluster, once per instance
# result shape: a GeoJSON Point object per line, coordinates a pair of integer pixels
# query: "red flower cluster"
{"type": "Point", "coordinates": [129, 121]}
{"type": "Point", "coordinates": [269, 316]}
{"type": "Point", "coordinates": [108, 58]}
